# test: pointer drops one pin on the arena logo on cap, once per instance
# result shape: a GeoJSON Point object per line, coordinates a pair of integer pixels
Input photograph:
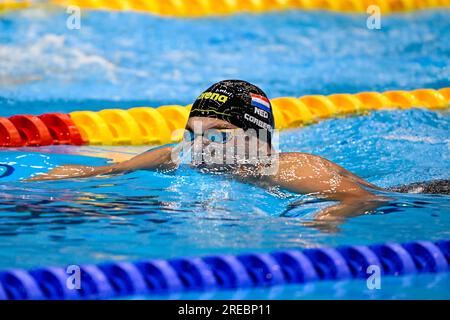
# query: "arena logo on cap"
{"type": "Point", "coordinates": [261, 102]}
{"type": "Point", "coordinates": [213, 96]}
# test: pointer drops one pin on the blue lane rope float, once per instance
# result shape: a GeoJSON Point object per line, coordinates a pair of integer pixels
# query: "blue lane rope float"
{"type": "Point", "coordinates": [6, 170]}
{"type": "Point", "coordinates": [119, 279]}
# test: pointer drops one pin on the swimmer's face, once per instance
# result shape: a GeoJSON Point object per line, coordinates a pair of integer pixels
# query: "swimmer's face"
{"type": "Point", "coordinates": [219, 144]}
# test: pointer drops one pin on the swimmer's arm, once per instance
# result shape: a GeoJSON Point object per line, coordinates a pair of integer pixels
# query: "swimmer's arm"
{"type": "Point", "coordinates": [329, 219]}
{"type": "Point", "coordinates": [349, 208]}
{"type": "Point", "coordinates": [307, 174]}
{"type": "Point", "coordinates": [156, 159]}
{"type": "Point", "coordinates": [352, 201]}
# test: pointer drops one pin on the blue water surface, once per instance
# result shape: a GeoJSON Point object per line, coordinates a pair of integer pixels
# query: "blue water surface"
{"type": "Point", "coordinates": [150, 214]}
{"type": "Point", "coordinates": [128, 59]}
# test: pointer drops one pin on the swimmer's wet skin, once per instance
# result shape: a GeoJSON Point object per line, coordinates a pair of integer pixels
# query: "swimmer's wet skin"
{"type": "Point", "coordinates": [239, 106]}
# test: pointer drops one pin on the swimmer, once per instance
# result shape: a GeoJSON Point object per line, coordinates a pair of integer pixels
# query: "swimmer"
{"type": "Point", "coordinates": [230, 130]}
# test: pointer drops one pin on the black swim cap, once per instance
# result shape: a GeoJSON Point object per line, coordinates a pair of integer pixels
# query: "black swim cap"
{"type": "Point", "coordinates": [239, 103]}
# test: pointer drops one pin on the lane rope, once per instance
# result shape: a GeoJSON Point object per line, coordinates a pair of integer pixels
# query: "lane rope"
{"type": "Point", "coordinates": [198, 8]}
{"type": "Point", "coordinates": [226, 271]}
{"type": "Point", "coordinates": [6, 171]}
{"type": "Point", "coordinates": [156, 126]}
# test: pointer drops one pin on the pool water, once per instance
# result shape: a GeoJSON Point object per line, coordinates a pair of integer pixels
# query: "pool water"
{"type": "Point", "coordinates": [45, 67]}
{"type": "Point", "coordinates": [426, 286]}
{"type": "Point", "coordinates": [154, 215]}
{"type": "Point", "coordinates": [171, 61]}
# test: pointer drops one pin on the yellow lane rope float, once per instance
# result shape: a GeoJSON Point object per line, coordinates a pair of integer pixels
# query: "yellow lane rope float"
{"type": "Point", "coordinates": [198, 8]}
{"type": "Point", "coordinates": [155, 125]}
{"type": "Point", "coordinates": [165, 124]}
{"type": "Point", "coordinates": [195, 8]}
{"type": "Point", "coordinates": [7, 5]}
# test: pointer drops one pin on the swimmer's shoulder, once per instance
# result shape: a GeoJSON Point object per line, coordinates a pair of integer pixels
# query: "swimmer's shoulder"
{"type": "Point", "coordinates": [298, 156]}
{"type": "Point", "coordinates": [310, 160]}
{"type": "Point", "coordinates": [301, 160]}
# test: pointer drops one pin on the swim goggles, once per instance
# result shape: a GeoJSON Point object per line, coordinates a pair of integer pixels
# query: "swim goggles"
{"type": "Point", "coordinates": [214, 135]}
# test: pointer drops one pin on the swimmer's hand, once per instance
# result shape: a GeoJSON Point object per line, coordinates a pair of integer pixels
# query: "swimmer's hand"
{"type": "Point", "coordinates": [72, 171]}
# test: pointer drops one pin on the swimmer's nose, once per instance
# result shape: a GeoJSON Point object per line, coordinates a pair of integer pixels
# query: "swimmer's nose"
{"type": "Point", "coordinates": [202, 140]}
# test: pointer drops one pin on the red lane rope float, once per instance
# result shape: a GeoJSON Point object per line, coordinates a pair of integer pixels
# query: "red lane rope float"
{"type": "Point", "coordinates": [33, 131]}
{"type": "Point", "coordinates": [9, 135]}
{"type": "Point", "coordinates": [62, 129]}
